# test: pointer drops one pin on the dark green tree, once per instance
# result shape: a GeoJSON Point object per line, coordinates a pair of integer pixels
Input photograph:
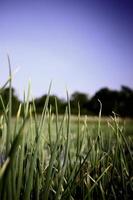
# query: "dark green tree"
{"type": "Point", "coordinates": [15, 100]}
{"type": "Point", "coordinates": [39, 103]}
{"type": "Point", "coordinates": [126, 102]}
{"type": "Point", "coordinates": [81, 99]}
{"type": "Point", "coordinates": [109, 100]}
{"type": "Point", "coordinates": [61, 104]}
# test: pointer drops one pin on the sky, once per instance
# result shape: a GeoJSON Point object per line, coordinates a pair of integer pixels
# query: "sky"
{"type": "Point", "coordinates": [81, 45]}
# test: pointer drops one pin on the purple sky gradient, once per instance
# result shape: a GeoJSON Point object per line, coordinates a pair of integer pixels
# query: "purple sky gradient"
{"type": "Point", "coordinates": [82, 45]}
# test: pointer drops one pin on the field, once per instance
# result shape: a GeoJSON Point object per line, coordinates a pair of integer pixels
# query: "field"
{"type": "Point", "coordinates": [64, 157]}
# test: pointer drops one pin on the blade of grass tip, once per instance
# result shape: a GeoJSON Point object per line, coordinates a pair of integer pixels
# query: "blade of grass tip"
{"type": "Point", "coordinates": [100, 137]}
{"type": "Point", "coordinates": [99, 118]}
{"type": "Point", "coordinates": [7, 82]}
{"type": "Point", "coordinates": [44, 108]}
{"type": "Point", "coordinates": [49, 129]}
{"type": "Point", "coordinates": [78, 132]}
{"type": "Point", "coordinates": [4, 109]}
{"type": "Point", "coordinates": [4, 86]}
{"type": "Point", "coordinates": [82, 137]}
{"type": "Point", "coordinates": [58, 132]}
{"type": "Point", "coordinates": [9, 136]}
{"type": "Point", "coordinates": [17, 119]}
{"type": "Point", "coordinates": [27, 99]}
{"type": "Point", "coordinates": [35, 118]}
{"type": "Point", "coordinates": [10, 109]}
{"type": "Point", "coordinates": [57, 118]}
{"type": "Point", "coordinates": [68, 133]}
{"type": "Point", "coordinates": [24, 103]}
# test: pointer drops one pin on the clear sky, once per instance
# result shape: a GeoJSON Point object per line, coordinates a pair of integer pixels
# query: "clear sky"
{"type": "Point", "coordinates": [79, 44]}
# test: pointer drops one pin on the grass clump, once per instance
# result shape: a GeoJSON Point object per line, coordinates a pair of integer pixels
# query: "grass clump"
{"type": "Point", "coordinates": [52, 157]}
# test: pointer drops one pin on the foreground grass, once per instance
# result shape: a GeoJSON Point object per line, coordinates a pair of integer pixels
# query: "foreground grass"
{"type": "Point", "coordinates": [53, 157]}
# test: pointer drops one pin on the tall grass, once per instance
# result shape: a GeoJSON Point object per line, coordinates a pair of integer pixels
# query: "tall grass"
{"type": "Point", "coordinates": [45, 157]}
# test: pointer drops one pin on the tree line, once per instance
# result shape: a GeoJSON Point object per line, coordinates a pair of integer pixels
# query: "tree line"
{"type": "Point", "coordinates": [118, 101]}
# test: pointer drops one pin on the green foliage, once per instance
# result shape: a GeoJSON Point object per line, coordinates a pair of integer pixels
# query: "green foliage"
{"type": "Point", "coordinates": [5, 96]}
{"type": "Point", "coordinates": [79, 98]}
{"type": "Point", "coordinates": [119, 102]}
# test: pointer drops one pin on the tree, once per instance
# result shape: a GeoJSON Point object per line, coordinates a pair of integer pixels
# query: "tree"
{"type": "Point", "coordinates": [81, 99]}
{"type": "Point", "coordinates": [109, 100]}
{"type": "Point", "coordinates": [39, 103]}
{"type": "Point", "coordinates": [5, 98]}
{"type": "Point", "coordinates": [61, 104]}
{"type": "Point", "coordinates": [126, 102]}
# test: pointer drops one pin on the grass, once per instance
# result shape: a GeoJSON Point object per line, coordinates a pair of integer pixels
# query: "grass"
{"type": "Point", "coordinates": [63, 157]}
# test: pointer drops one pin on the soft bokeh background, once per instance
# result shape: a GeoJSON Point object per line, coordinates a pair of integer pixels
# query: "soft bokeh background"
{"type": "Point", "coordinates": [79, 44]}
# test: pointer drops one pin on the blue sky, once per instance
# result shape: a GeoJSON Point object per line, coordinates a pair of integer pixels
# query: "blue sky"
{"type": "Point", "coordinates": [82, 45]}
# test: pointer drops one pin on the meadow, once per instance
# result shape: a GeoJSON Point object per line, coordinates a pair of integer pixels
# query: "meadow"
{"type": "Point", "coordinates": [64, 157]}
